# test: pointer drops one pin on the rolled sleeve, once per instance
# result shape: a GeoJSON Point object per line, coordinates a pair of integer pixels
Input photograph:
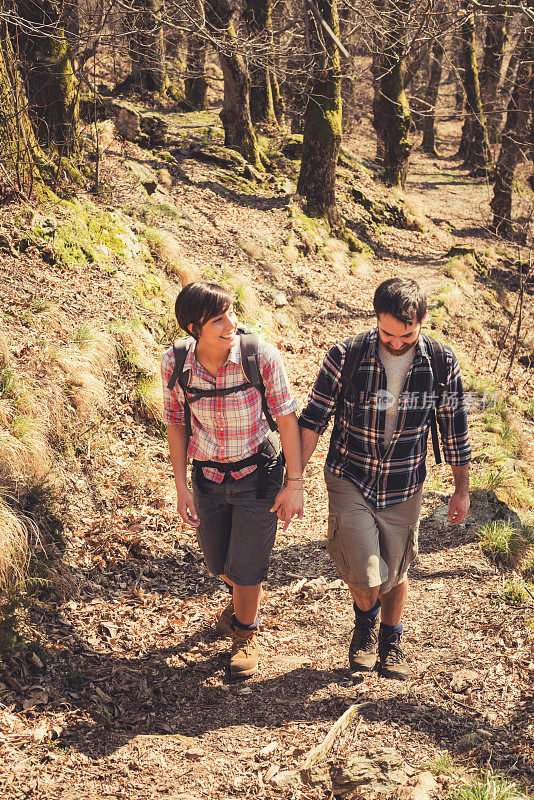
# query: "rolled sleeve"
{"type": "Point", "coordinates": [173, 400]}
{"type": "Point", "coordinates": [452, 418]}
{"type": "Point", "coordinates": [280, 402]}
{"type": "Point", "coordinates": [322, 400]}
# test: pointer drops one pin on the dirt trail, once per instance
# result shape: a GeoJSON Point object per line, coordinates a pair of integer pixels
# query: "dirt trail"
{"type": "Point", "coordinates": [135, 677]}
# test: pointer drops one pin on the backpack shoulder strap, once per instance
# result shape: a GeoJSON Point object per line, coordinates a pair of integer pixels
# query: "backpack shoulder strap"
{"type": "Point", "coordinates": [353, 358]}
{"type": "Point", "coordinates": [180, 349]}
{"type": "Point", "coordinates": [249, 362]}
{"type": "Point", "coordinates": [438, 361]}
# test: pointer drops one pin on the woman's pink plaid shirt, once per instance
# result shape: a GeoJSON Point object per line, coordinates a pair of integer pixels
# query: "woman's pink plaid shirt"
{"type": "Point", "coordinates": [227, 428]}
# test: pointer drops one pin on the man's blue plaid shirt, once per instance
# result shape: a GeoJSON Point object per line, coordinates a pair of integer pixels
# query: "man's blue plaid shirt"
{"type": "Point", "coordinates": [386, 476]}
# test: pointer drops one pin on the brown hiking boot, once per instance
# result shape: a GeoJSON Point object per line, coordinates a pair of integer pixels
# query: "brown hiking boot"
{"type": "Point", "coordinates": [393, 662]}
{"type": "Point", "coordinates": [363, 645]}
{"type": "Point", "coordinates": [224, 623]}
{"type": "Point", "coordinates": [244, 655]}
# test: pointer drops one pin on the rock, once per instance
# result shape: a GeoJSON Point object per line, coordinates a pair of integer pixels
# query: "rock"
{"type": "Point", "coordinates": [127, 120]}
{"type": "Point", "coordinates": [165, 178]}
{"type": "Point", "coordinates": [146, 176]}
{"type": "Point", "coordinates": [486, 507]}
{"type": "Point", "coordinates": [292, 148]}
{"type": "Point", "coordinates": [218, 155]}
{"type": "Point", "coordinates": [469, 740]}
{"type": "Point", "coordinates": [463, 679]}
{"type": "Point", "coordinates": [155, 128]}
{"type": "Point", "coordinates": [421, 788]}
{"type": "Point", "coordinates": [286, 778]}
{"type": "Point", "coordinates": [315, 588]}
{"type": "Point", "coordinates": [376, 773]}
{"type": "Point", "coordinates": [318, 776]}
{"type": "Point", "coordinates": [461, 250]}
{"type": "Point", "coordinates": [194, 754]}
{"type": "Point", "coordinates": [279, 299]}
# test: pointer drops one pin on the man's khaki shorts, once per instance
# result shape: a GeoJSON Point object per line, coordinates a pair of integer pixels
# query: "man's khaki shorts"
{"type": "Point", "coordinates": [370, 547]}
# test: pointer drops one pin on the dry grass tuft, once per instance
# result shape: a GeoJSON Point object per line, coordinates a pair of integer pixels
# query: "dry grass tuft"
{"type": "Point", "coordinates": [5, 353]}
{"type": "Point", "coordinates": [83, 364]}
{"type": "Point", "coordinates": [150, 397]}
{"type": "Point", "coordinates": [14, 549]}
{"type": "Point", "coordinates": [136, 348]}
{"type": "Point", "coordinates": [169, 253]}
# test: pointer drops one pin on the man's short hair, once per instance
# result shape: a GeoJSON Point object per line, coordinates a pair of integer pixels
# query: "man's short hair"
{"type": "Point", "coordinates": [198, 302]}
{"type": "Point", "coordinates": [401, 298]}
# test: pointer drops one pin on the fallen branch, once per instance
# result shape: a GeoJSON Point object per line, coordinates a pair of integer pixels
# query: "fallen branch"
{"type": "Point", "coordinates": [338, 728]}
{"type": "Point", "coordinates": [319, 17]}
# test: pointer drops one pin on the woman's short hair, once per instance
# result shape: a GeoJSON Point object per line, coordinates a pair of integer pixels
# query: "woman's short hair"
{"type": "Point", "coordinates": [198, 302]}
{"type": "Point", "coordinates": [401, 298]}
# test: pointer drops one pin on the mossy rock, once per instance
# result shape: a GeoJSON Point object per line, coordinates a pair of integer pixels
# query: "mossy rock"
{"type": "Point", "coordinates": [218, 155]}
{"type": "Point", "coordinates": [383, 212]}
{"type": "Point", "coordinates": [292, 147]}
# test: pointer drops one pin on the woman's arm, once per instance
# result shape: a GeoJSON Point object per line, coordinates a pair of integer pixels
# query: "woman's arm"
{"type": "Point", "coordinates": [185, 504]}
{"type": "Point", "coordinates": [290, 500]}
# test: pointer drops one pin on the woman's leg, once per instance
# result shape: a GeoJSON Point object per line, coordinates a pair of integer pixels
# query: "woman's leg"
{"type": "Point", "coordinates": [246, 601]}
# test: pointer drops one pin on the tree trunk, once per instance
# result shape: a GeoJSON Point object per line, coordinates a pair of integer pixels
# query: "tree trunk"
{"type": "Point", "coordinates": [235, 116]}
{"type": "Point", "coordinates": [196, 85]}
{"type": "Point", "coordinates": [514, 140]}
{"type": "Point", "coordinates": [22, 162]}
{"type": "Point", "coordinates": [395, 110]}
{"type": "Point", "coordinates": [490, 74]}
{"type": "Point", "coordinates": [322, 129]}
{"type": "Point", "coordinates": [258, 18]}
{"type": "Point", "coordinates": [376, 69]}
{"type": "Point", "coordinates": [431, 97]}
{"type": "Point", "coordinates": [51, 85]}
{"type": "Point", "coordinates": [477, 155]}
{"type": "Point", "coordinates": [147, 47]}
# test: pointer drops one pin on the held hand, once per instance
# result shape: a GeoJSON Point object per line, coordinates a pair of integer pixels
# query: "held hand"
{"type": "Point", "coordinates": [185, 506]}
{"type": "Point", "coordinates": [288, 504]}
{"type": "Point", "coordinates": [458, 507]}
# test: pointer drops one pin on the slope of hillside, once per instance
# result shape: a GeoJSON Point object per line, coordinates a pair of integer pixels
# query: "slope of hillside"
{"type": "Point", "coordinates": [124, 690]}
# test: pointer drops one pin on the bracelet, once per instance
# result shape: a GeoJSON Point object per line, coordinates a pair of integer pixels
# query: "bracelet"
{"type": "Point", "coordinates": [295, 479]}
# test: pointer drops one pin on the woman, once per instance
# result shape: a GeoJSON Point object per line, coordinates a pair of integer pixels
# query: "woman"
{"type": "Point", "coordinates": [215, 416]}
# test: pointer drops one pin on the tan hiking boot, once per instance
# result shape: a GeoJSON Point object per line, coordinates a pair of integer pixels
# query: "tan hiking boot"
{"type": "Point", "coordinates": [245, 652]}
{"type": "Point", "coordinates": [224, 623]}
{"type": "Point", "coordinates": [364, 644]}
{"type": "Point", "coordinates": [393, 662]}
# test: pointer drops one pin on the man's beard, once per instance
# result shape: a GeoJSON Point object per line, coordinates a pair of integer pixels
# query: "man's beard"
{"type": "Point", "coordinates": [401, 351]}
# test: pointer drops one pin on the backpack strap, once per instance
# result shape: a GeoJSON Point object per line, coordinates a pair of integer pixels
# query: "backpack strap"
{"type": "Point", "coordinates": [249, 362]}
{"type": "Point", "coordinates": [353, 358]}
{"type": "Point", "coordinates": [438, 361]}
{"type": "Point", "coordinates": [179, 350]}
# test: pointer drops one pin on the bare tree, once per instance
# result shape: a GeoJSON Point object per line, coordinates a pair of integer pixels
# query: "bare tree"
{"type": "Point", "coordinates": [235, 116]}
{"type": "Point", "coordinates": [395, 112]}
{"type": "Point", "coordinates": [476, 157]}
{"type": "Point", "coordinates": [46, 58]}
{"type": "Point", "coordinates": [490, 73]}
{"type": "Point", "coordinates": [514, 141]}
{"type": "Point", "coordinates": [322, 130]}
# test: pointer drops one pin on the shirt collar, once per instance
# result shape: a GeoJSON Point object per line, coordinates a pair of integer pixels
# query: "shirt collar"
{"type": "Point", "coordinates": [190, 359]}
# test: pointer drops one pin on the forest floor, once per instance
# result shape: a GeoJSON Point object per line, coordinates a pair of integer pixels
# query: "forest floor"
{"type": "Point", "coordinates": [128, 693]}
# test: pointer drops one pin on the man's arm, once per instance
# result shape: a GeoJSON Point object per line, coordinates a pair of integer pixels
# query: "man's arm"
{"type": "Point", "coordinates": [290, 499]}
{"type": "Point", "coordinates": [308, 443]}
{"type": "Point", "coordinates": [459, 502]}
{"type": "Point", "coordinates": [185, 504]}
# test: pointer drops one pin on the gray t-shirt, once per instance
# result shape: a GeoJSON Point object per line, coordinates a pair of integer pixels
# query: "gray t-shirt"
{"type": "Point", "coordinates": [397, 368]}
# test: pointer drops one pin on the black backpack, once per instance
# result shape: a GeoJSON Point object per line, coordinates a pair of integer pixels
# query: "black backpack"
{"type": "Point", "coordinates": [438, 360]}
{"type": "Point", "coordinates": [249, 363]}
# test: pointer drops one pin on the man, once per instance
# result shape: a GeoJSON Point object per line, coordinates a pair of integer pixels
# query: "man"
{"type": "Point", "coordinates": [375, 466]}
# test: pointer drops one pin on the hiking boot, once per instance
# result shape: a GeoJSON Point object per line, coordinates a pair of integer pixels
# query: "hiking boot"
{"type": "Point", "coordinates": [244, 654]}
{"type": "Point", "coordinates": [224, 623]}
{"type": "Point", "coordinates": [392, 660]}
{"type": "Point", "coordinates": [363, 645]}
